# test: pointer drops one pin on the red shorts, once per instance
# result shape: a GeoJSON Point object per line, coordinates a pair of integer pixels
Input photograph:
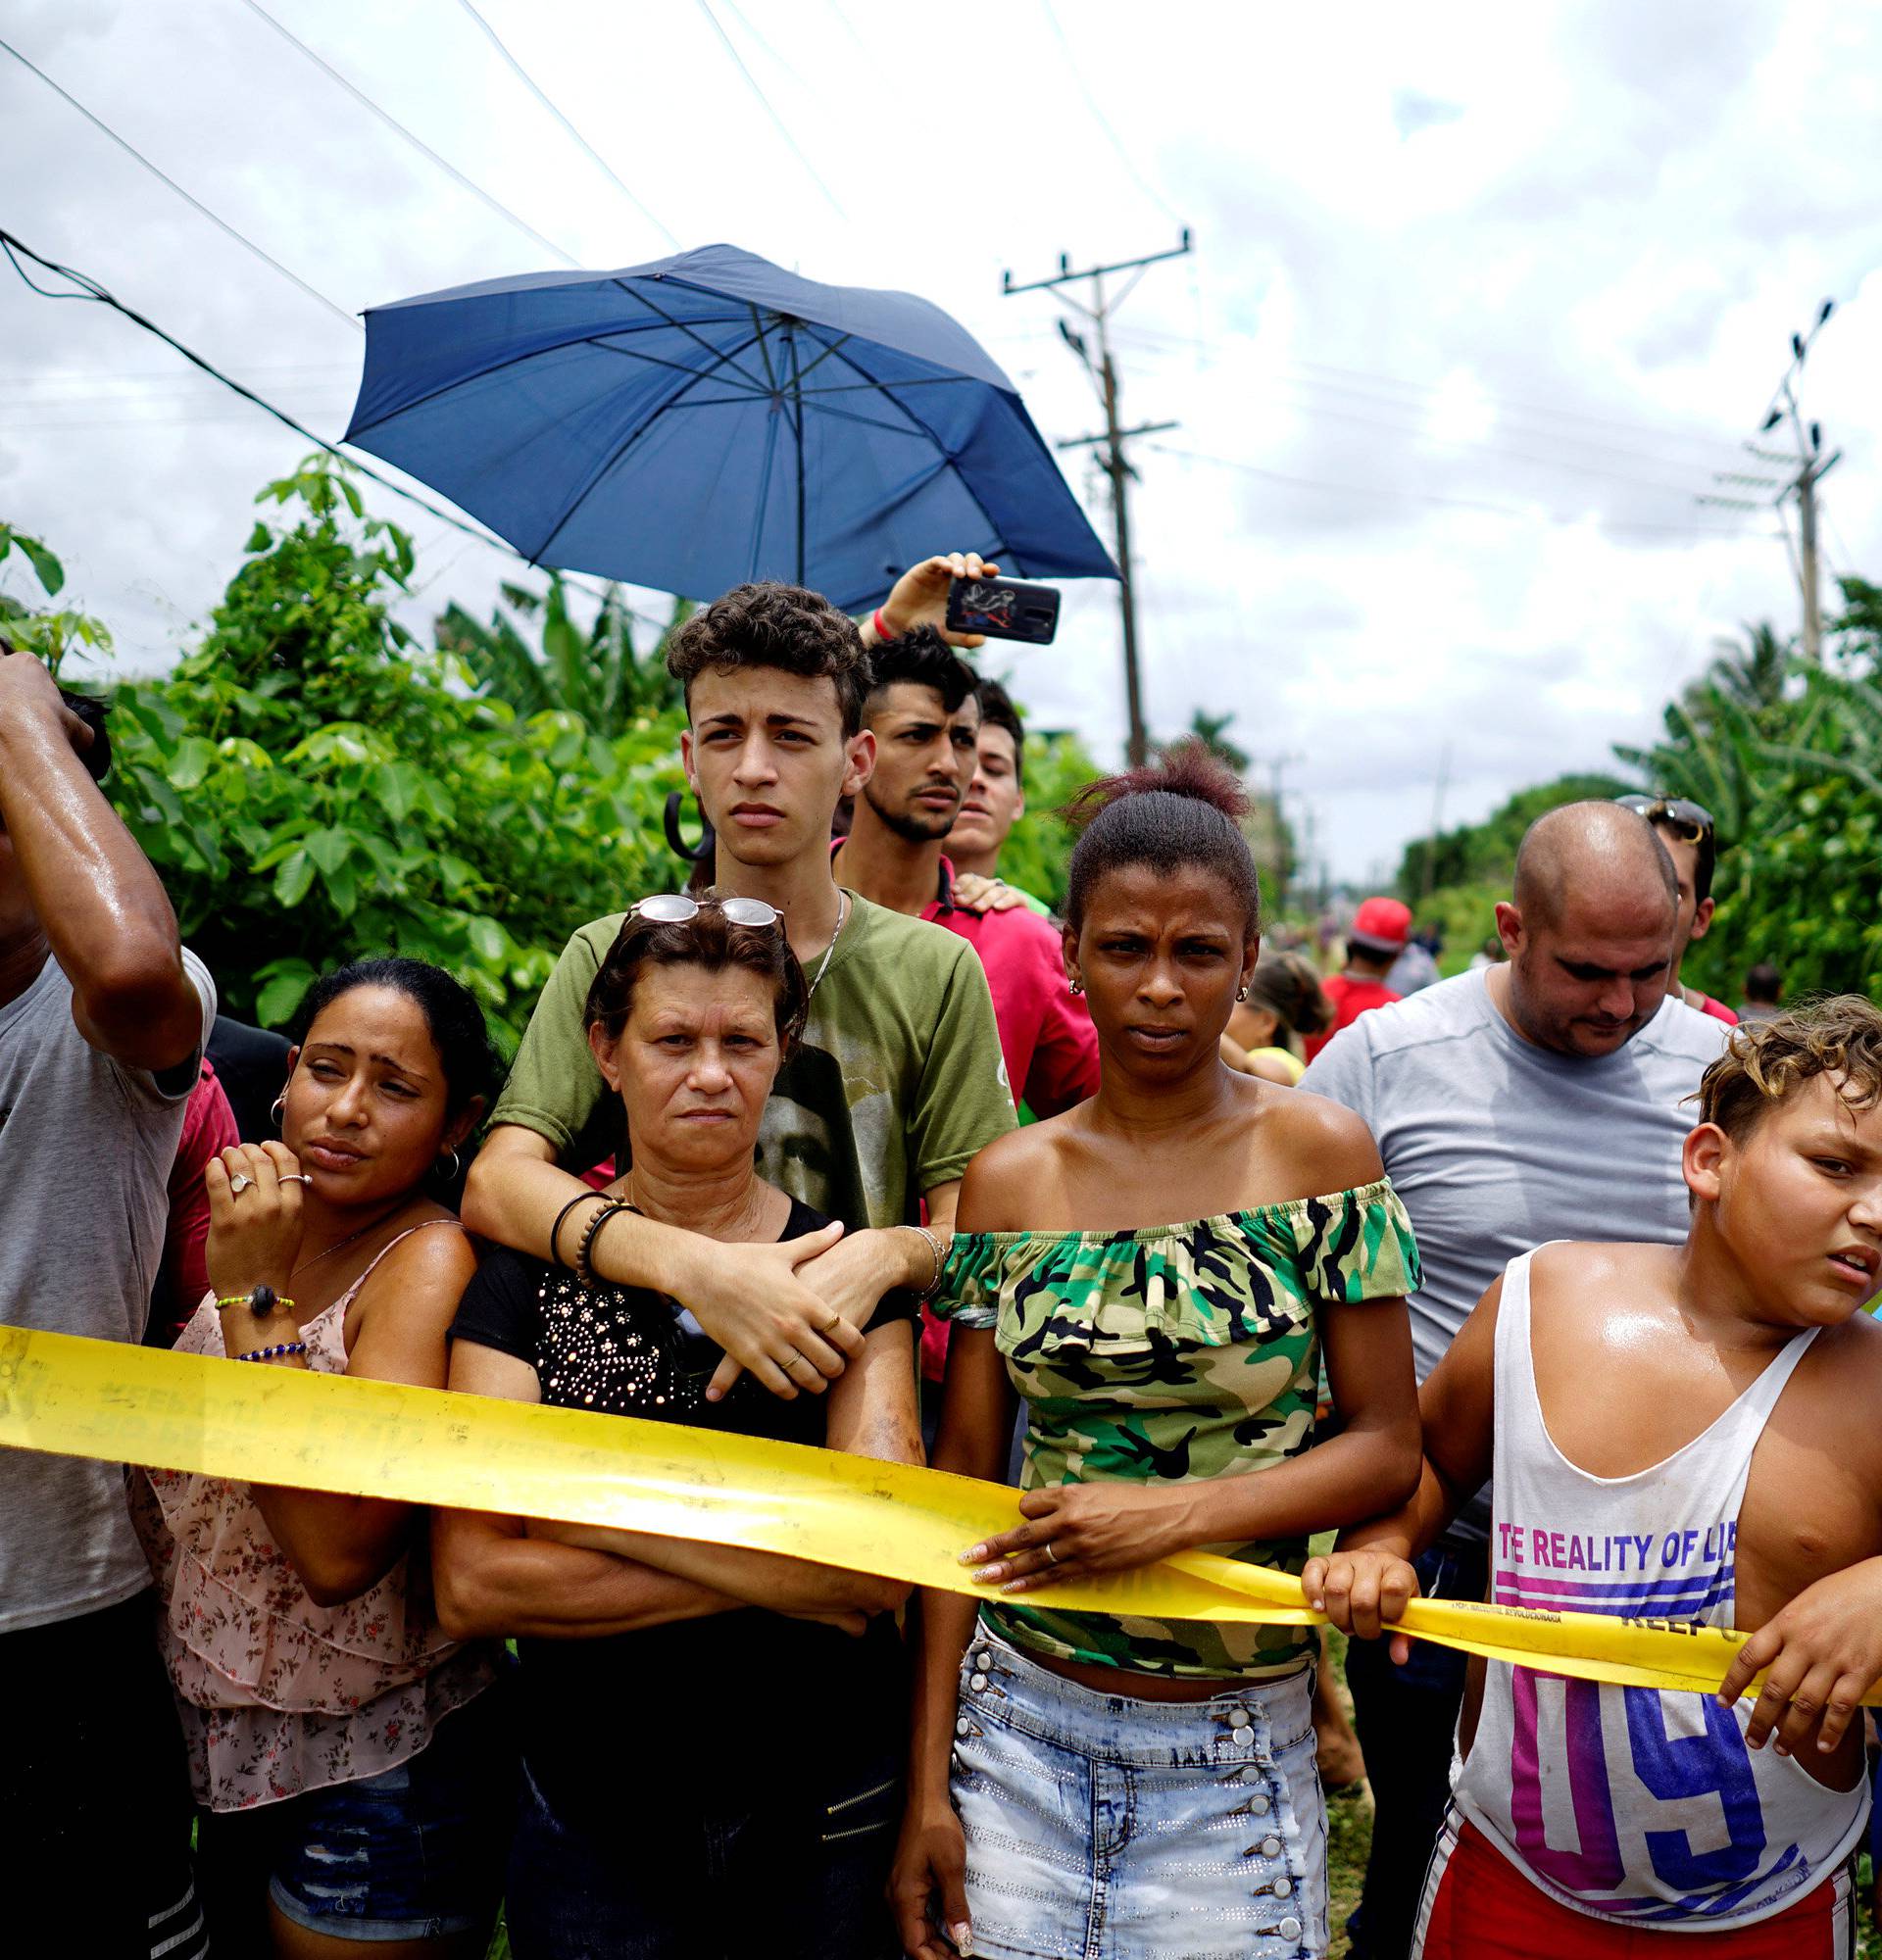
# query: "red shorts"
{"type": "Point", "coordinates": [1478, 1907]}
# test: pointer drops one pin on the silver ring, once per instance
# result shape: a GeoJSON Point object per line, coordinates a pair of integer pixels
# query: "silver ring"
{"type": "Point", "coordinates": [1052, 1557]}
{"type": "Point", "coordinates": [239, 1183]}
{"type": "Point", "coordinates": [293, 1177]}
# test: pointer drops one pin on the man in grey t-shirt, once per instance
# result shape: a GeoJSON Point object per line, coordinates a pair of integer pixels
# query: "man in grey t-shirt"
{"type": "Point", "coordinates": [102, 1021]}
{"type": "Point", "coordinates": [1542, 1098]}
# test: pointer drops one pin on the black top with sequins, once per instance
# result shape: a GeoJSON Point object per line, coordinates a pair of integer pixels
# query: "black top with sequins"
{"type": "Point", "coordinates": [626, 1351]}
{"type": "Point", "coordinates": [589, 1706]}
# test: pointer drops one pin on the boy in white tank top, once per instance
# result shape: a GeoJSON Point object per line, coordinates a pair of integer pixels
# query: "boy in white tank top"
{"type": "Point", "coordinates": [1684, 1434]}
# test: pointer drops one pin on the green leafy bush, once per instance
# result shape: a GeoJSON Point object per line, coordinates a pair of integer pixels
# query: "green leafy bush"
{"type": "Point", "coordinates": [314, 786]}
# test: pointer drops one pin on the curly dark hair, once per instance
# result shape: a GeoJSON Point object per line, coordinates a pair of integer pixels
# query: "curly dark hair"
{"type": "Point", "coordinates": [708, 940]}
{"type": "Point", "coordinates": [772, 625]}
{"type": "Point", "coordinates": [1182, 809]}
{"type": "Point", "coordinates": [1767, 1062]}
{"type": "Point", "coordinates": [921, 657]}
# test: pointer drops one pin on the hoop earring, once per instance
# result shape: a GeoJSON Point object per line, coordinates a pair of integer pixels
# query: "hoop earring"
{"type": "Point", "coordinates": [277, 1108]}
{"type": "Point", "coordinates": [455, 1166]}
{"type": "Point", "coordinates": [1077, 986]}
{"type": "Point", "coordinates": [1241, 992]}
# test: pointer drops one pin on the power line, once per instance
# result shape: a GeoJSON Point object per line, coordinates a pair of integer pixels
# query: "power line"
{"type": "Point", "coordinates": [419, 144]}
{"type": "Point", "coordinates": [1526, 423]}
{"type": "Point", "coordinates": [536, 89]}
{"type": "Point", "coordinates": [1104, 121]}
{"type": "Point", "coordinates": [1432, 497]}
{"type": "Point", "coordinates": [1518, 424]}
{"type": "Point", "coordinates": [1628, 426]}
{"type": "Point", "coordinates": [221, 223]}
{"type": "Point", "coordinates": [777, 121]}
{"type": "Point", "coordinates": [1428, 439]}
{"type": "Point", "coordinates": [91, 290]}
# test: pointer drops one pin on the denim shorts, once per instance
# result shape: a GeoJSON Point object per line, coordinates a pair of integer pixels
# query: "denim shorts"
{"type": "Point", "coordinates": [414, 1852]}
{"type": "Point", "coordinates": [1101, 1826]}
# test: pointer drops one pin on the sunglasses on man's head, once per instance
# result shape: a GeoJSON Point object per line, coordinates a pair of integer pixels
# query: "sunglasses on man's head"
{"type": "Point", "coordinates": [678, 907]}
{"type": "Point", "coordinates": [1689, 821]}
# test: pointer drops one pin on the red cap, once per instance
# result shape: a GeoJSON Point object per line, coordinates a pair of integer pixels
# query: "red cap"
{"type": "Point", "coordinates": [1384, 923]}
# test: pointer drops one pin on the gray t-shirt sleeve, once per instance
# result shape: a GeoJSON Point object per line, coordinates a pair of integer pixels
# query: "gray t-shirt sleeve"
{"type": "Point", "coordinates": [176, 1084]}
{"type": "Point", "coordinates": [1343, 1072]}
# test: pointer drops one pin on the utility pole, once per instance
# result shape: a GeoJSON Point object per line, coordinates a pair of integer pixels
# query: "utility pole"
{"type": "Point", "coordinates": [1277, 766]}
{"type": "Point", "coordinates": [1115, 465]}
{"type": "Point", "coordinates": [1808, 466]}
{"type": "Point", "coordinates": [1437, 824]}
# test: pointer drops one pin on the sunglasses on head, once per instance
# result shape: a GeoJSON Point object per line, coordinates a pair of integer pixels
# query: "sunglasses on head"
{"type": "Point", "coordinates": [678, 907]}
{"type": "Point", "coordinates": [1689, 821]}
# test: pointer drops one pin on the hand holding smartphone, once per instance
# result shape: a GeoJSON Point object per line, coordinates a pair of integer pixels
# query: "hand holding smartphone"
{"type": "Point", "coordinates": [1003, 609]}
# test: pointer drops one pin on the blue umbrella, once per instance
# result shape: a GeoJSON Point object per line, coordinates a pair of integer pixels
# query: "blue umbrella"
{"type": "Point", "coordinates": [708, 419]}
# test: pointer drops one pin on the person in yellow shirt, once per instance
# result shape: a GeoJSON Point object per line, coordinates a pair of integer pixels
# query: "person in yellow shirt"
{"type": "Point", "coordinates": [1283, 999]}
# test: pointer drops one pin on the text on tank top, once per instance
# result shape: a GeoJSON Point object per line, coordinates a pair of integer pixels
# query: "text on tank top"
{"type": "Point", "coordinates": [1635, 1803]}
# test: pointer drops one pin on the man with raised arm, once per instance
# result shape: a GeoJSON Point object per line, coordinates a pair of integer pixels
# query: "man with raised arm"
{"type": "Point", "coordinates": [103, 1017]}
{"type": "Point", "coordinates": [1541, 1098]}
{"type": "Point", "coordinates": [898, 1079]}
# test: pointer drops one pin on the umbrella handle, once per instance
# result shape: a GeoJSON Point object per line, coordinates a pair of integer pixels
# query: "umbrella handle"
{"type": "Point", "coordinates": [688, 854]}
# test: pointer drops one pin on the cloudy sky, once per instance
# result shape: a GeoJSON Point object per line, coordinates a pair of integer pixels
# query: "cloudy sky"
{"type": "Point", "coordinates": [1482, 301]}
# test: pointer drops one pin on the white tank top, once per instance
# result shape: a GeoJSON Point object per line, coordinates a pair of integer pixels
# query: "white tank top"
{"type": "Point", "coordinates": [1632, 1803]}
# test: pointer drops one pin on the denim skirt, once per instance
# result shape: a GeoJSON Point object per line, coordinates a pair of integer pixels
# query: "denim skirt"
{"type": "Point", "coordinates": [1102, 1827]}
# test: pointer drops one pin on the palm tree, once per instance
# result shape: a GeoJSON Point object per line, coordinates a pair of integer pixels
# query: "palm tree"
{"type": "Point", "coordinates": [596, 676]}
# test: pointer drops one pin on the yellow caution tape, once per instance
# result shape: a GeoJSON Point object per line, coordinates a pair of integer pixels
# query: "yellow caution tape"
{"type": "Point", "coordinates": [100, 1399]}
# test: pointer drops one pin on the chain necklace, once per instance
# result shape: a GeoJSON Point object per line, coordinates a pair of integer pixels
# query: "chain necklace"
{"type": "Point", "coordinates": [842, 916]}
{"type": "Point", "coordinates": [339, 1245]}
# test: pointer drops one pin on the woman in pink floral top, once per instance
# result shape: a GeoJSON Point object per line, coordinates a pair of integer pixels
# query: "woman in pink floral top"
{"type": "Point", "coordinates": [337, 1803]}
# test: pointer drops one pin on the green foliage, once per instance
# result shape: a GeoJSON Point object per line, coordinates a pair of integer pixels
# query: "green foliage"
{"type": "Point", "coordinates": [50, 632]}
{"type": "Point", "coordinates": [1788, 758]}
{"type": "Point", "coordinates": [1485, 854]}
{"type": "Point", "coordinates": [1037, 854]}
{"type": "Point", "coordinates": [314, 786]}
{"type": "Point", "coordinates": [596, 676]}
{"type": "Point", "coordinates": [1212, 731]}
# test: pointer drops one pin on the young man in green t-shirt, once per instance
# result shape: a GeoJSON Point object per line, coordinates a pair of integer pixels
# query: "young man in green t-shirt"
{"type": "Point", "coordinates": [897, 1082]}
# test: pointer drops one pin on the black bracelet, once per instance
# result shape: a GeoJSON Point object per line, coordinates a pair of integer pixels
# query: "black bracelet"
{"type": "Point", "coordinates": [584, 1268]}
{"type": "Point", "coordinates": [555, 1230]}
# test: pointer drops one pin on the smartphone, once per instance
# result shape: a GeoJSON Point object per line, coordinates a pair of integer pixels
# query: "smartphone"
{"type": "Point", "coordinates": [1003, 609]}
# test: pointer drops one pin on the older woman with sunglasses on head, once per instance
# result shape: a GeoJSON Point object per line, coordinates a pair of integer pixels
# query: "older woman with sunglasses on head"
{"type": "Point", "coordinates": [1687, 830]}
{"type": "Point", "coordinates": [709, 1736]}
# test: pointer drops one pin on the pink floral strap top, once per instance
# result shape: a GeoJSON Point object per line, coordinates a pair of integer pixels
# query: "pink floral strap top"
{"type": "Point", "coordinates": [280, 1696]}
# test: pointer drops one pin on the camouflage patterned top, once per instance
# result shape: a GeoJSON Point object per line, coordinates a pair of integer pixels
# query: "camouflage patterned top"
{"type": "Point", "coordinates": [1184, 1351]}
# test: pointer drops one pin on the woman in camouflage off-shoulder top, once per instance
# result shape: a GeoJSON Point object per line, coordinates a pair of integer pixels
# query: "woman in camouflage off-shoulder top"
{"type": "Point", "coordinates": [1122, 1784]}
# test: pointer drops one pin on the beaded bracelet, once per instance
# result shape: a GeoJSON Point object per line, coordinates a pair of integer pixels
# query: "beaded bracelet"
{"type": "Point", "coordinates": [275, 1302]}
{"type": "Point", "coordinates": [933, 1286]}
{"type": "Point", "coordinates": [584, 1268]}
{"type": "Point", "coordinates": [268, 1354]}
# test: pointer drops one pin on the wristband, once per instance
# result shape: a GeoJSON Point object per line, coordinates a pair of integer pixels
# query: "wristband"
{"type": "Point", "coordinates": [555, 1230]}
{"type": "Point", "coordinates": [881, 631]}
{"type": "Point", "coordinates": [933, 1286]}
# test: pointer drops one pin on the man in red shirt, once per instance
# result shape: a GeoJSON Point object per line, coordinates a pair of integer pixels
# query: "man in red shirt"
{"type": "Point", "coordinates": [923, 709]}
{"type": "Point", "coordinates": [1373, 940]}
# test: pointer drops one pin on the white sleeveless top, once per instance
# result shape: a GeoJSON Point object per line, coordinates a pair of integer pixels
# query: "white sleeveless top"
{"type": "Point", "coordinates": [1631, 1803]}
